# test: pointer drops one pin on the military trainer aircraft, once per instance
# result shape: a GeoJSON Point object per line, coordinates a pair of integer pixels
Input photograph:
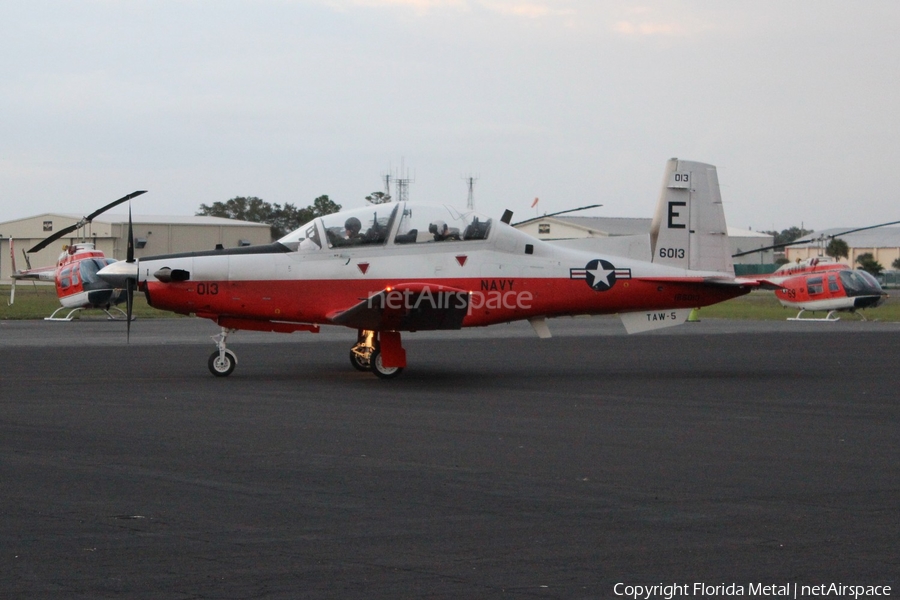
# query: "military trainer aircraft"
{"type": "Point", "coordinates": [406, 266]}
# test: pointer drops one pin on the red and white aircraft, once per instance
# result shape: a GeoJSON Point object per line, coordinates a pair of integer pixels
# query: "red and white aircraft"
{"type": "Point", "coordinates": [75, 273]}
{"type": "Point", "coordinates": [821, 284]}
{"type": "Point", "coordinates": [406, 266]}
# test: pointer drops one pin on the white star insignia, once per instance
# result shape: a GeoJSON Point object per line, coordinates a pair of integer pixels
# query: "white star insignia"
{"type": "Point", "coordinates": [601, 275]}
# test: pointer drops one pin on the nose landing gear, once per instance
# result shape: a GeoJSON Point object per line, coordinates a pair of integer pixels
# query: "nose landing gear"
{"type": "Point", "coordinates": [223, 361]}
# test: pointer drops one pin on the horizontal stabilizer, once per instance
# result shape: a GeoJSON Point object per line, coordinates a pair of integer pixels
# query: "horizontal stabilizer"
{"type": "Point", "coordinates": [39, 274]}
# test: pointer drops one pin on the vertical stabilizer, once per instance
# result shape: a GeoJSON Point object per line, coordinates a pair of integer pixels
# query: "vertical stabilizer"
{"type": "Point", "coordinates": [688, 229]}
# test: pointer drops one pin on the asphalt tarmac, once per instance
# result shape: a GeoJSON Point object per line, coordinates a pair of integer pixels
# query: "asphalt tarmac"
{"type": "Point", "coordinates": [496, 465]}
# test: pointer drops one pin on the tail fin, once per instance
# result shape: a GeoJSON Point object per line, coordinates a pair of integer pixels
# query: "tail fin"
{"type": "Point", "coordinates": [688, 229]}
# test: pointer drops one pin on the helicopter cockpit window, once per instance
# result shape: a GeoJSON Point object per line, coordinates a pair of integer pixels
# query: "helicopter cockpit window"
{"type": "Point", "coordinates": [814, 286]}
{"type": "Point", "coordinates": [434, 223]}
{"type": "Point", "coordinates": [305, 239]}
{"type": "Point", "coordinates": [65, 278]}
{"type": "Point", "coordinates": [363, 227]}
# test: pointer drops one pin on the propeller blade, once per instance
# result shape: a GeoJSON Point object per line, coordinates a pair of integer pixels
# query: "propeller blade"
{"type": "Point", "coordinates": [85, 220]}
{"type": "Point", "coordinates": [129, 253]}
{"type": "Point", "coordinates": [129, 286]}
{"type": "Point", "coordinates": [129, 306]}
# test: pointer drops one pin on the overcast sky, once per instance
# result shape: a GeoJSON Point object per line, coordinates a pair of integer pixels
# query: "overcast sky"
{"type": "Point", "coordinates": [572, 101]}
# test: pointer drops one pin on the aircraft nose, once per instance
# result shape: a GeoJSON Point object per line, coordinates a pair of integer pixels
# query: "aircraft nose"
{"type": "Point", "coordinates": [119, 273]}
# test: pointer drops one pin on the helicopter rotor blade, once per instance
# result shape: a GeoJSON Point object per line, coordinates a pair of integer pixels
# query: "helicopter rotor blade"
{"type": "Point", "coordinates": [84, 221]}
{"type": "Point", "coordinates": [47, 241]}
{"type": "Point", "coordinates": [115, 203]}
{"type": "Point", "coordinates": [830, 236]}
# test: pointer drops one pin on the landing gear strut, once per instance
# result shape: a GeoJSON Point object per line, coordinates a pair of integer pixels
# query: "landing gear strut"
{"type": "Point", "coordinates": [361, 353]}
{"type": "Point", "coordinates": [223, 361]}
{"type": "Point", "coordinates": [379, 352]}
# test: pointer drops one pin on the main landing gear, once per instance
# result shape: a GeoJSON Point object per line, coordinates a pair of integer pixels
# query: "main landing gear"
{"type": "Point", "coordinates": [379, 352]}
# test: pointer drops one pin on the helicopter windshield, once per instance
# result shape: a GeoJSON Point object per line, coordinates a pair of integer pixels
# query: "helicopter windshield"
{"type": "Point", "coordinates": [90, 266]}
{"type": "Point", "coordinates": [859, 283]}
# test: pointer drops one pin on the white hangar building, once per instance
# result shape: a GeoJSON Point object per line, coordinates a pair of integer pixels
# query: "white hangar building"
{"type": "Point", "coordinates": [152, 235]}
{"type": "Point", "coordinates": [564, 228]}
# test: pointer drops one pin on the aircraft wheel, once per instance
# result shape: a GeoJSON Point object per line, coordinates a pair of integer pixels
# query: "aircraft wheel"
{"type": "Point", "coordinates": [382, 371]}
{"type": "Point", "coordinates": [359, 362]}
{"type": "Point", "coordinates": [222, 366]}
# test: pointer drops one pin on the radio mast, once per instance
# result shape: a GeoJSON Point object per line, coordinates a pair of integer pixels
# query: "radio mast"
{"type": "Point", "coordinates": [470, 181]}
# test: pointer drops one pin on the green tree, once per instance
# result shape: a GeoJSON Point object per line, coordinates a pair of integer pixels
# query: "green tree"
{"type": "Point", "coordinates": [837, 248]}
{"type": "Point", "coordinates": [282, 219]}
{"type": "Point", "coordinates": [321, 206]}
{"type": "Point", "coordinates": [378, 198]}
{"type": "Point", "coordinates": [786, 236]}
{"type": "Point", "coordinates": [896, 264]}
{"type": "Point", "coordinates": [868, 263]}
{"type": "Point", "coordinates": [244, 208]}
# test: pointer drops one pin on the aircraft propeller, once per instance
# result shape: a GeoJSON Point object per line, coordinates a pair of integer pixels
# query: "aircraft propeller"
{"type": "Point", "coordinates": [130, 283]}
{"type": "Point", "coordinates": [84, 221]}
{"type": "Point", "coordinates": [818, 239]}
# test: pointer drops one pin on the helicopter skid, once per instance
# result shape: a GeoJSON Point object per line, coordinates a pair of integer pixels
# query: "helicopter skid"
{"type": "Point", "coordinates": [830, 318]}
{"type": "Point", "coordinates": [71, 315]}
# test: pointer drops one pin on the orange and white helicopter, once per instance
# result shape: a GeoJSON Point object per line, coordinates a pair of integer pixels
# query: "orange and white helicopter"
{"type": "Point", "coordinates": [75, 273]}
{"type": "Point", "coordinates": [822, 284]}
{"type": "Point", "coordinates": [406, 266]}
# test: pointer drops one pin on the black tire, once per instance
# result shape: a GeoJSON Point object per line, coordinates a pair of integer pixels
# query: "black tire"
{"type": "Point", "coordinates": [223, 367]}
{"type": "Point", "coordinates": [381, 371]}
{"type": "Point", "coordinates": [357, 361]}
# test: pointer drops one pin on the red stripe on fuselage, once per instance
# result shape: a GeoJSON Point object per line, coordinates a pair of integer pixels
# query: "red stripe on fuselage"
{"type": "Point", "coordinates": [493, 300]}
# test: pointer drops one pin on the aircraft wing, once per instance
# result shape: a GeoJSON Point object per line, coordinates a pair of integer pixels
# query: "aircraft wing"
{"type": "Point", "coordinates": [39, 274]}
{"type": "Point", "coordinates": [407, 307]}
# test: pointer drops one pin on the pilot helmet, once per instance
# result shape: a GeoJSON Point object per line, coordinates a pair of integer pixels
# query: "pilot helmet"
{"type": "Point", "coordinates": [352, 225]}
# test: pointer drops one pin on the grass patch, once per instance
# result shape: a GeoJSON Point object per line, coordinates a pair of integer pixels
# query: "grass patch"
{"type": "Point", "coordinates": [762, 305]}
{"type": "Point", "coordinates": [39, 301]}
